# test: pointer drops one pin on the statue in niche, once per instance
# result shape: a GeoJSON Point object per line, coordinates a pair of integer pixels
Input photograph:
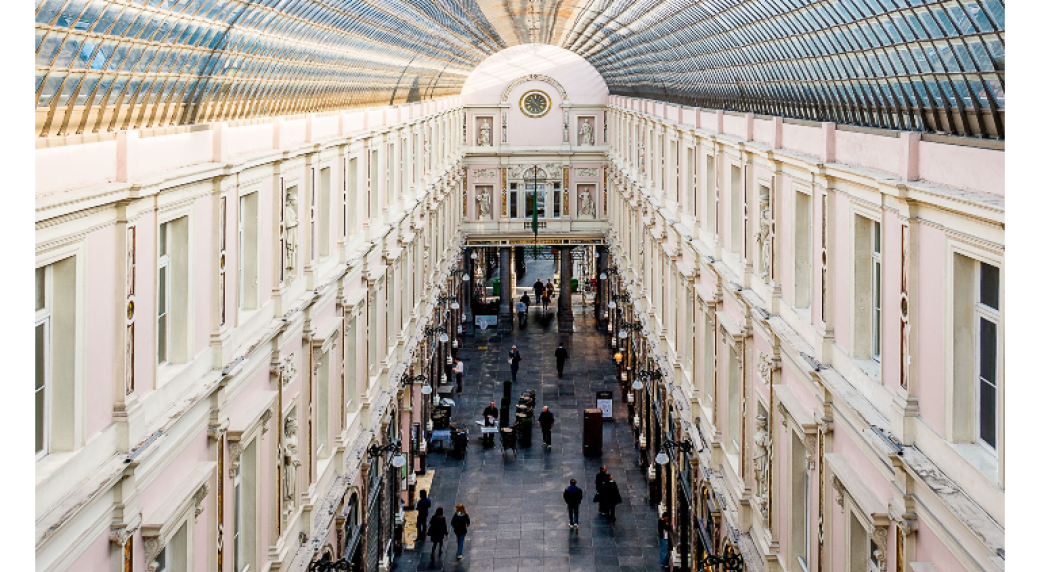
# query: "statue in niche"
{"type": "Point", "coordinates": [587, 136]}
{"type": "Point", "coordinates": [292, 227]}
{"type": "Point", "coordinates": [484, 139]}
{"type": "Point", "coordinates": [764, 236]}
{"type": "Point", "coordinates": [763, 452]}
{"type": "Point", "coordinates": [484, 202]}
{"type": "Point", "coordinates": [290, 465]}
{"type": "Point", "coordinates": [585, 206]}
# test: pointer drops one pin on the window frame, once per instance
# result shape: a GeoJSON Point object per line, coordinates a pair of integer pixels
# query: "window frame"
{"type": "Point", "coordinates": [43, 318]}
{"type": "Point", "coordinates": [162, 295]}
{"type": "Point", "coordinates": [876, 290]}
{"type": "Point", "coordinates": [983, 311]}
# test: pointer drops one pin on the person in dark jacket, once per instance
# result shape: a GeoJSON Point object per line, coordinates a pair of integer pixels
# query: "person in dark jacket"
{"type": "Point", "coordinates": [664, 537]}
{"type": "Point", "coordinates": [514, 361]}
{"type": "Point", "coordinates": [422, 509]}
{"type": "Point", "coordinates": [460, 524]}
{"type": "Point", "coordinates": [572, 496]}
{"type": "Point", "coordinates": [601, 479]}
{"type": "Point", "coordinates": [490, 415]}
{"type": "Point", "coordinates": [546, 421]}
{"type": "Point", "coordinates": [539, 290]}
{"type": "Point", "coordinates": [549, 290]}
{"type": "Point", "coordinates": [610, 498]}
{"type": "Point", "coordinates": [438, 532]}
{"type": "Point", "coordinates": [561, 358]}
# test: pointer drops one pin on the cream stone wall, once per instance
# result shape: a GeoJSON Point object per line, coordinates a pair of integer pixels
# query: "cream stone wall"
{"type": "Point", "coordinates": [877, 442]}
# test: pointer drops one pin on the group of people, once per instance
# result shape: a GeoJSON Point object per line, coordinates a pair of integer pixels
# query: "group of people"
{"type": "Point", "coordinates": [437, 527]}
{"type": "Point", "coordinates": [543, 293]}
{"type": "Point", "coordinates": [608, 496]}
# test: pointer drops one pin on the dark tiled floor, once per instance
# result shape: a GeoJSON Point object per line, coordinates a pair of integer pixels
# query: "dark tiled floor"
{"type": "Point", "coordinates": [515, 502]}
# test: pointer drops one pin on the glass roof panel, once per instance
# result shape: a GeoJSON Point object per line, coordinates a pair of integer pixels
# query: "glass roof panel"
{"type": "Point", "coordinates": [857, 61]}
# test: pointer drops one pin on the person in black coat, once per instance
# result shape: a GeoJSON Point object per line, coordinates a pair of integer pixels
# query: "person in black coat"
{"type": "Point", "coordinates": [610, 498]}
{"type": "Point", "coordinates": [601, 479]}
{"type": "Point", "coordinates": [561, 358]}
{"type": "Point", "coordinates": [514, 361]}
{"type": "Point", "coordinates": [438, 532]}
{"type": "Point", "coordinates": [422, 509]}
{"type": "Point", "coordinates": [546, 421]}
{"type": "Point", "coordinates": [572, 496]}
{"type": "Point", "coordinates": [460, 524]}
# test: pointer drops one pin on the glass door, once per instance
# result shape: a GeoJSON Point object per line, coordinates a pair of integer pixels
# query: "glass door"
{"type": "Point", "coordinates": [529, 200]}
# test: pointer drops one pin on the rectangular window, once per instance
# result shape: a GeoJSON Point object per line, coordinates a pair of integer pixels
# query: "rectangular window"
{"type": "Point", "coordinates": [691, 178]}
{"type": "Point", "coordinates": [988, 316]}
{"type": "Point", "coordinates": [859, 544]}
{"type": "Point", "coordinates": [709, 355]}
{"type": "Point", "coordinates": [875, 292]}
{"type": "Point", "coordinates": [176, 559]}
{"type": "Point", "coordinates": [351, 365]}
{"type": "Point", "coordinates": [163, 302]}
{"type": "Point", "coordinates": [557, 200]}
{"type": "Point", "coordinates": [239, 509]}
{"type": "Point", "coordinates": [248, 243]}
{"type": "Point", "coordinates": [802, 250]}
{"type": "Point", "coordinates": [709, 187]}
{"type": "Point", "coordinates": [172, 292]}
{"type": "Point", "coordinates": [513, 201]}
{"type": "Point", "coordinates": [733, 410]}
{"type": "Point", "coordinates": [245, 513]}
{"type": "Point", "coordinates": [391, 171]}
{"type": "Point", "coordinates": [800, 499]}
{"type": "Point", "coordinates": [43, 349]}
{"type": "Point", "coordinates": [736, 209]}
{"type": "Point", "coordinates": [324, 210]}
{"type": "Point", "coordinates": [322, 398]}
{"type": "Point", "coordinates": [350, 207]}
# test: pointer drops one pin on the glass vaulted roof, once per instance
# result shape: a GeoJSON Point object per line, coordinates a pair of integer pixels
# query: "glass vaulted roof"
{"type": "Point", "coordinates": [924, 65]}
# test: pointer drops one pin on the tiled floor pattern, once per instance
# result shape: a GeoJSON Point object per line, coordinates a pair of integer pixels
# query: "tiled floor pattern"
{"type": "Point", "coordinates": [515, 502]}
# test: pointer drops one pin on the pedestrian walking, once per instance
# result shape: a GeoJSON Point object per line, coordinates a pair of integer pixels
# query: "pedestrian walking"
{"type": "Point", "coordinates": [549, 291]}
{"type": "Point", "coordinates": [459, 368]}
{"type": "Point", "coordinates": [561, 358]}
{"type": "Point", "coordinates": [601, 479]}
{"type": "Point", "coordinates": [438, 532]}
{"type": "Point", "coordinates": [460, 524]}
{"type": "Point", "coordinates": [664, 537]}
{"type": "Point", "coordinates": [610, 498]}
{"type": "Point", "coordinates": [572, 496]}
{"type": "Point", "coordinates": [514, 362]}
{"type": "Point", "coordinates": [539, 291]}
{"type": "Point", "coordinates": [546, 421]}
{"type": "Point", "coordinates": [422, 509]}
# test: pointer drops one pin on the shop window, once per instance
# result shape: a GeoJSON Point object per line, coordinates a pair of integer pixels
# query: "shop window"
{"type": "Point", "coordinates": [248, 248]}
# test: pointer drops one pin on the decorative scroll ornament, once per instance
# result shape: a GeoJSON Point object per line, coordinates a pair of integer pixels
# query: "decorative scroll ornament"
{"type": "Point", "coordinates": [880, 537]}
{"type": "Point", "coordinates": [839, 492]}
{"type": "Point", "coordinates": [196, 500]}
{"type": "Point", "coordinates": [131, 282]}
{"type": "Point", "coordinates": [810, 451]}
{"type": "Point", "coordinates": [904, 311]}
{"type": "Point", "coordinates": [235, 454]}
{"type": "Point", "coordinates": [765, 366]}
{"type": "Point", "coordinates": [566, 126]}
{"type": "Point", "coordinates": [586, 172]}
{"type": "Point", "coordinates": [504, 138]}
{"type": "Point", "coordinates": [484, 173]}
{"type": "Point", "coordinates": [265, 419]}
{"type": "Point", "coordinates": [533, 77]}
{"type": "Point", "coordinates": [762, 460]}
{"type": "Point", "coordinates": [286, 369]}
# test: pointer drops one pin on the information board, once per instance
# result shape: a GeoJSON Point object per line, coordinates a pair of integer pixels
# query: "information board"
{"type": "Point", "coordinates": [605, 402]}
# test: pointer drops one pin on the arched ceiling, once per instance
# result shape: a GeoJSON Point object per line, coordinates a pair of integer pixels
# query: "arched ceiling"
{"type": "Point", "coordinates": [925, 65]}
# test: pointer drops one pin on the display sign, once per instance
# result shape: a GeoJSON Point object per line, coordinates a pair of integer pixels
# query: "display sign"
{"type": "Point", "coordinates": [484, 321]}
{"type": "Point", "coordinates": [605, 402]}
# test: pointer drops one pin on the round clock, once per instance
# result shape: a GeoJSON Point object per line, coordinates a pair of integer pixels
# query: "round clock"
{"type": "Point", "coordinates": [535, 103]}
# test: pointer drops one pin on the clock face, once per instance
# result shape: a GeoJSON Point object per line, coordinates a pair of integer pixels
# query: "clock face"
{"type": "Point", "coordinates": [535, 103]}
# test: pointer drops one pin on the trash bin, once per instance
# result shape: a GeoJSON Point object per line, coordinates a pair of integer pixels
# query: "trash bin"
{"type": "Point", "coordinates": [523, 426]}
{"type": "Point", "coordinates": [496, 287]}
{"type": "Point", "coordinates": [592, 433]}
{"type": "Point", "coordinates": [574, 284]}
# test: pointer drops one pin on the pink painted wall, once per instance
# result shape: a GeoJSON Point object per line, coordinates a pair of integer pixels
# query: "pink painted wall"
{"type": "Point", "coordinates": [734, 125]}
{"type": "Point", "coordinates": [839, 271]}
{"type": "Point", "coordinates": [249, 138]}
{"type": "Point", "coordinates": [158, 491]}
{"type": "Point", "coordinates": [802, 139]}
{"type": "Point", "coordinates": [293, 132]}
{"type": "Point", "coordinates": [144, 353]}
{"type": "Point", "coordinates": [845, 444]}
{"type": "Point", "coordinates": [980, 170]}
{"type": "Point", "coordinates": [169, 152]}
{"type": "Point", "coordinates": [203, 269]}
{"type": "Point", "coordinates": [74, 166]}
{"type": "Point", "coordinates": [870, 151]}
{"type": "Point", "coordinates": [101, 348]}
{"type": "Point", "coordinates": [930, 359]}
{"type": "Point", "coordinates": [891, 275]}
{"type": "Point", "coordinates": [98, 554]}
{"type": "Point", "coordinates": [763, 131]}
{"type": "Point", "coordinates": [931, 549]}
{"type": "Point", "coordinates": [324, 127]}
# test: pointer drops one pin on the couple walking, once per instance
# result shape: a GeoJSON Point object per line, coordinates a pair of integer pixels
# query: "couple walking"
{"type": "Point", "coordinates": [438, 527]}
{"type": "Point", "coordinates": [608, 495]}
{"type": "Point", "coordinates": [514, 360]}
